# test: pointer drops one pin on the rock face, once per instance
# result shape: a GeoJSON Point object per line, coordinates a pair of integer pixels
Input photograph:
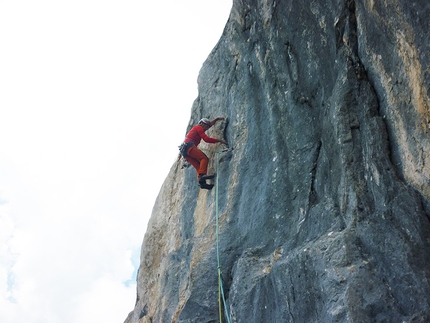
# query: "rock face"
{"type": "Point", "coordinates": [324, 203]}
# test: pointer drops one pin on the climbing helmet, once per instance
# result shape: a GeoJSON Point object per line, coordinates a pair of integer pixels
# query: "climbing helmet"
{"type": "Point", "coordinates": [204, 121]}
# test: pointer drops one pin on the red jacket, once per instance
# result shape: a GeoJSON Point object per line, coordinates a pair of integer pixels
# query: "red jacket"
{"type": "Point", "coordinates": [196, 134]}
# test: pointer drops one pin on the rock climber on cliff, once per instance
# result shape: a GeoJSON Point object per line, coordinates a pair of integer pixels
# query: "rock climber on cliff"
{"type": "Point", "coordinates": [194, 155]}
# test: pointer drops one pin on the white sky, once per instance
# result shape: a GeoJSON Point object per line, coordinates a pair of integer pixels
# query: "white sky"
{"type": "Point", "coordinates": [95, 97]}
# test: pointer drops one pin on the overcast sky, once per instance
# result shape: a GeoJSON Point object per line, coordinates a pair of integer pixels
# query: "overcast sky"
{"type": "Point", "coordinates": [95, 97]}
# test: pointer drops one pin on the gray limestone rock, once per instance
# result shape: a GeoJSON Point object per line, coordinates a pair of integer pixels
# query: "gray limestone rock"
{"type": "Point", "coordinates": [324, 203]}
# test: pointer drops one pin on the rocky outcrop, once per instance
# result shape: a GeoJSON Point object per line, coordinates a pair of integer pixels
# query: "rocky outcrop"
{"type": "Point", "coordinates": [324, 203]}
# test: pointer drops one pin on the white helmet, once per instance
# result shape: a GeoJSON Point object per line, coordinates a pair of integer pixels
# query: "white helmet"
{"type": "Point", "coordinates": [204, 121]}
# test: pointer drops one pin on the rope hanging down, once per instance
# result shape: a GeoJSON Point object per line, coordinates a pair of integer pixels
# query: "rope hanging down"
{"type": "Point", "coordinates": [220, 287]}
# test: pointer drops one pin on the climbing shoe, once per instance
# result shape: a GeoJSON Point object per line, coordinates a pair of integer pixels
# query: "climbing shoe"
{"type": "Point", "coordinates": [206, 186]}
{"type": "Point", "coordinates": [203, 178]}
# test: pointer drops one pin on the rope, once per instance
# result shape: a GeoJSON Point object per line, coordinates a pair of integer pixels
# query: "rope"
{"type": "Point", "coordinates": [220, 287]}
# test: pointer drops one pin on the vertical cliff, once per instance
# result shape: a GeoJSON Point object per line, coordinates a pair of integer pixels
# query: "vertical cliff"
{"type": "Point", "coordinates": [324, 203]}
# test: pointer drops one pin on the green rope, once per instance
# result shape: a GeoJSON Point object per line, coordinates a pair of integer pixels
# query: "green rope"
{"type": "Point", "coordinates": [220, 287]}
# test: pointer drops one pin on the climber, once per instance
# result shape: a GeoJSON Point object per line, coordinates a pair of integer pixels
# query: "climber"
{"type": "Point", "coordinates": [194, 155]}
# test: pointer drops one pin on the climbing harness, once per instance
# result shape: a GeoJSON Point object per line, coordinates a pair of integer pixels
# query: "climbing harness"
{"type": "Point", "coordinates": [220, 286]}
{"type": "Point", "coordinates": [183, 148]}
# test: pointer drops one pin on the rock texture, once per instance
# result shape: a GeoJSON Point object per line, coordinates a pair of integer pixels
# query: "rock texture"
{"type": "Point", "coordinates": [325, 201]}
